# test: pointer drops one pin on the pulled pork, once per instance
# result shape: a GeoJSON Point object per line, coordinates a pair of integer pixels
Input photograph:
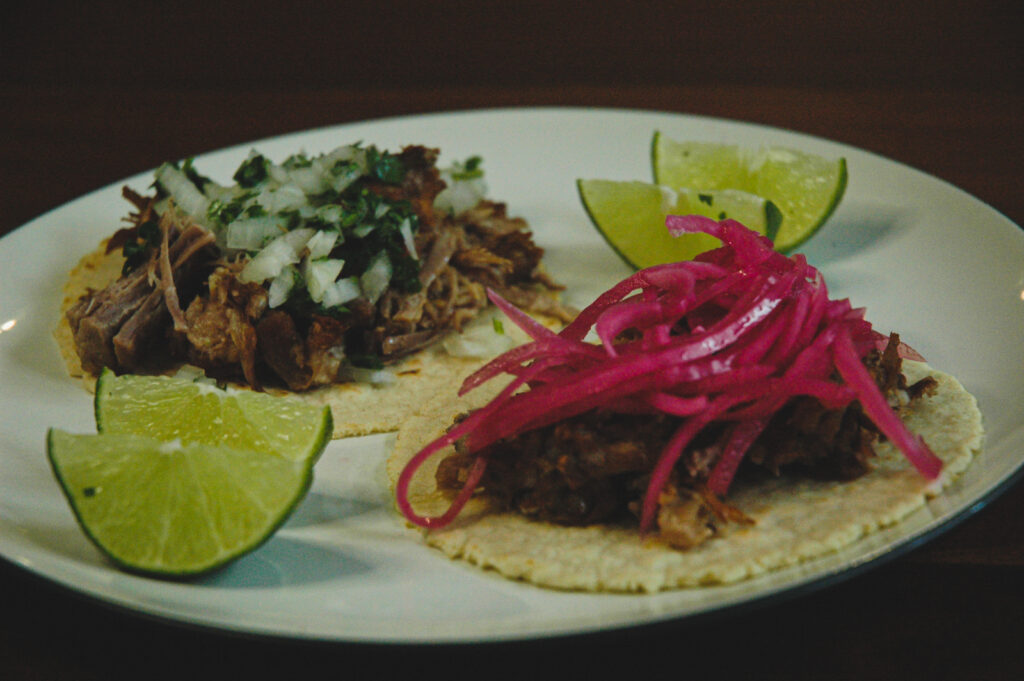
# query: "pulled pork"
{"type": "Point", "coordinates": [120, 325]}
{"type": "Point", "coordinates": [594, 468]}
{"type": "Point", "coordinates": [186, 302]}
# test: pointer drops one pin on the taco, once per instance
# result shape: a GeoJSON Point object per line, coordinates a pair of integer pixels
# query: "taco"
{"type": "Point", "coordinates": [355, 278]}
{"type": "Point", "coordinates": [732, 419]}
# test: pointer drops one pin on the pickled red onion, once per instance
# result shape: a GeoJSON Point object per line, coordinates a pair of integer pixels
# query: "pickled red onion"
{"type": "Point", "coordinates": [729, 337]}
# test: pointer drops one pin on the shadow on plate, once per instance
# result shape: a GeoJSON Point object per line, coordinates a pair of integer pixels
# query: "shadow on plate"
{"type": "Point", "coordinates": [280, 561]}
{"type": "Point", "coordinates": [320, 509]}
{"type": "Point", "coordinates": [855, 229]}
{"type": "Point", "coordinates": [286, 562]}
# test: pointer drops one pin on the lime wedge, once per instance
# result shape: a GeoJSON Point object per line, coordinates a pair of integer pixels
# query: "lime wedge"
{"type": "Point", "coordinates": [630, 215]}
{"type": "Point", "coordinates": [184, 476]}
{"type": "Point", "coordinates": [805, 187]}
{"type": "Point", "coordinates": [174, 509]}
{"type": "Point", "coordinates": [173, 408]}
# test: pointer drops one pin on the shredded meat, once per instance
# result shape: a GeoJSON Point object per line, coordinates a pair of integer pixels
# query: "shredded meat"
{"type": "Point", "coordinates": [575, 472]}
{"type": "Point", "coordinates": [219, 330]}
{"type": "Point", "coordinates": [594, 468]}
{"type": "Point", "coordinates": [462, 257]}
{"type": "Point", "coordinates": [283, 349]}
{"type": "Point", "coordinates": [225, 326]}
{"type": "Point", "coordinates": [302, 361]}
{"type": "Point", "coordinates": [834, 444]}
{"type": "Point", "coordinates": [421, 184]}
{"type": "Point", "coordinates": [118, 326]}
{"type": "Point", "coordinates": [684, 517]}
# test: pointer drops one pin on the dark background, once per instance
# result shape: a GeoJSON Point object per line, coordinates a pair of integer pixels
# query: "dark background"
{"type": "Point", "coordinates": [93, 92]}
{"type": "Point", "coordinates": [146, 82]}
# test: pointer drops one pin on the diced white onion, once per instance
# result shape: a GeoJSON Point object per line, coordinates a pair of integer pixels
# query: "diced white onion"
{"type": "Point", "coordinates": [341, 181]}
{"type": "Point", "coordinates": [309, 179]}
{"type": "Point", "coordinates": [190, 372]}
{"type": "Point", "coordinates": [460, 195]}
{"type": "Point", "coordinates": [275, 256]}
{"type": "Point", "coordinates": [321, 243]}
{"type": "Point", "coordinates": [341, 292]}
{"type": "Point", "coordinates": [249, 234]}
{"type": "Point", "coordinates": [218, 192]}
{"type": "Point", "coordinates": [374, 376]}
{"type": "Point", "coordinates": [345, 152]}
{"type": "Point", "coordinates": [186, 197]}
{"type": "Point", "coordinates": [278, 174]}
{"type": "Point", "coordinates": [268, 263]}
{"type": "Point", "coordinates": [281, 286]}
{"type": "Point", "coordinates": [286, 259]}
{"type": "Point", "coordinates": [330, 213]}
{"type": "Point", "coordinates": [479, 340]}
{"type": "Point", "coordinates": [374, 281]}
{"type": "Point", "coordinates": [320, 275]}
{"type": "Point", "coordinates": [284, 198]}
{"type": "Point", "coordinates": [410, 245]}
{"type": "Point", "coordinates": [297, 238]}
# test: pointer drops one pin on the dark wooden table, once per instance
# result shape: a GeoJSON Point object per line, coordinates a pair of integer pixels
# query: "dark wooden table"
{"type": "Point", "coordinates": [90, 94]}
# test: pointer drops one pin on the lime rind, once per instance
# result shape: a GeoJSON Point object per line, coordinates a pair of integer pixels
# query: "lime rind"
{"type": "Point", "coordinates": [597, 225]}
{"type": "Point", "coordinates": [837, 197]}
{"type": "Point", "coordinates": [773, 220]}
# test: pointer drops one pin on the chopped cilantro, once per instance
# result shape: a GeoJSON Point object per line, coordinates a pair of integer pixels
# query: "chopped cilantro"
{"type": "Point", "coordinates": [297, 161]}
{"type": "Point", "coordinates": [251, 172]}
{"type": "Point", "coordinates": [774, 220]}
{"type": "Point", "coordinates": [384, 166]}
{"type": "Point", "coordinates": [293, 220]}
{"type": "Point", "coordinates": [706, 199]}
{"type": "Point", "coordinates": [255, 211]}
{"type": "Point", "coordinates": [227, 212]}
{"type": "Point", "coordinates": [385, 234]}
{"type": "Point", "coordinates": [468, 170]}
{"type": "Point", "coordinates": [344, 168]}
{"type": "Point", "coordinates": [193, 175]}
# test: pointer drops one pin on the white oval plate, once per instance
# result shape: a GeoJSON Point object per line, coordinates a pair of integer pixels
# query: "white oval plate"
{"type": "Point", "coordinates": [926, 259]}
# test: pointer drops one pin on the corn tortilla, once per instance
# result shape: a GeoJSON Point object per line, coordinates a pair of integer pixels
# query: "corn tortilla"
{"type": "Point", "coordinates": [795, 519]}
{"type": "Point", "coordinates": [357, 408]}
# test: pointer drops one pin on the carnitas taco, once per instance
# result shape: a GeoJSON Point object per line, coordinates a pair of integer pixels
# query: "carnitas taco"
{"type": "Point", "coordinates": [730, 418]}
{"type": "Point", "coordinates": [354, 278]}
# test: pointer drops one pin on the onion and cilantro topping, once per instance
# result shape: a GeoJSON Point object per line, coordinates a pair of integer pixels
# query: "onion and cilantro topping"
{"type": "Point", "coordinates": [311, 225]}
{"type": "Point", "coordinates": [298, 273]}
{"type": "Point", "coordinates": [725, 340]}
{"type": "Point", "coordinates": [465, 188]}
{"type": "Point", "coordinates": [312, 228]}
